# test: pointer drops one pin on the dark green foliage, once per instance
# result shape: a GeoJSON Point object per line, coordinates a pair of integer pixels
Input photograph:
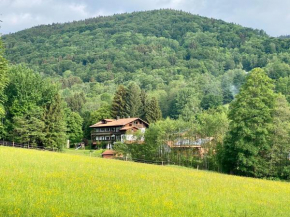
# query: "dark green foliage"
{"type": "Point", "coordinates": [248, 143]}
{"type": "Point", "coordinates": [119, 103]}
{"type": "Point", "coordinates": [143, 100]}
{"type": "Point", "coordinates": [153, 112]}
{"type": "Point", "coordinates": [227, 96]}
{"type": "Point", "coordinates": [29, 128]}
{"type": "Point", "coordinates": [55, 126]}
{"type": "Point", "coordinates": [76, 102]}
{"type": "Point", "coordinates": [133, 100]}
{"type": "Point", "coordinates": [211, 101]}
{"type": "Point", "coordinates": [162, 51]}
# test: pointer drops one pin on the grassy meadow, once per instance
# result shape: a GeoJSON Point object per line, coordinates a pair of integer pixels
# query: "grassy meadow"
{"type": "Point", "coordinates": [41, 183]}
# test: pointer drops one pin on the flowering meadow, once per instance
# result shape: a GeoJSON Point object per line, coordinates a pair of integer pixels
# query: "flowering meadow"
{"type": "Point", "coordinates": [40, 183]}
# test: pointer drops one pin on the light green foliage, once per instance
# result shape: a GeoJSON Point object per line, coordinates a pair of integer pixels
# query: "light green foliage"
{"type": "Point", "coordinates": [74, 126]}
{"type": "Point", "coordinates": [59, 182]}
{"type": "Point", "coordinates": [100, 114]}
{"type": "Point", "coordinates": [280, 150]}
{"type": "Point", "coordinates": [283, 86]}
{"type": "Point", "coordinates": [34, 109]}
{"type": "Point", "coordinates": [249, 139]}
{"type": "Point", "coordinates": [3, 77]}
{"type": "Point", "coordinates": [277, 70]}
{"type": "Point", "coordinates": [212, 124]}
{"type": "Point", "coordinates": [186, 99]}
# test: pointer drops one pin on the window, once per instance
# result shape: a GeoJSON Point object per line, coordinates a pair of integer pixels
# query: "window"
{"type": "Point", "coordinates": [97, 130]}
{"type": "Point", "coordinates": [97, 138]}
{"type": "Point", "coordinates": [107, 138]}
{"type": "Point", "coordinates": [107, 129]}
{"type": "Point", "coordinates": [102, 130]}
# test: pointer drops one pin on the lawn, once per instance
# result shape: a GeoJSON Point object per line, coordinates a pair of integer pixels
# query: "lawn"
{"type": "Point", "coordinates": [42, 183]}
{"type": "Point", "coordinates": [86, 152]}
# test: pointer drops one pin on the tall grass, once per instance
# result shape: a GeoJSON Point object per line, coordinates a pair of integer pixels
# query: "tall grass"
{"type": "Point", "coordinates": [39, 183]}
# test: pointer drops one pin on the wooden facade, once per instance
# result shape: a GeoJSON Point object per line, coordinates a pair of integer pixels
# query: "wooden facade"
{"type": "Point", "coordinates": [108, 131]}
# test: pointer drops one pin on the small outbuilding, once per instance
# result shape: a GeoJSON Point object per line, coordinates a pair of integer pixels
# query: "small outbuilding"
{"type": "Point", "coordinates": [109, 154]}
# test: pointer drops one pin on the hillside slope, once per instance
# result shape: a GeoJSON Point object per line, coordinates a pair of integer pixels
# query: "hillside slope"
{"type": "Point", "coordinates": [36, 183]}
{"type": "Point", "coordinates": [113, 47]}
{"type": "Point", "coordinates": [167, 53]}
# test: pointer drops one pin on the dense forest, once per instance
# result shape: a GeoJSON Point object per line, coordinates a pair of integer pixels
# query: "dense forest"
{"type": "Point", "coordinates": [161, 64]}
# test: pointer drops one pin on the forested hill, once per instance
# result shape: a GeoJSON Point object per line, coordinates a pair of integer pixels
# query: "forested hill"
{"type": "Point", "coordinates": [141, 40]}
{"type": "Point", "coordinates": [168, 53]}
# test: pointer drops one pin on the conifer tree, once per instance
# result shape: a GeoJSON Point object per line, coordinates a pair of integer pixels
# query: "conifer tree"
{"type": "Point", "coordinates": [248, 142]}
{"type": "Point", "coordinates": [119, 103]}
{"type": "Point", "coordinates": [142, 109]}
{"type": "Point", "coordinates": [54, 124]}
{"type": "Point", "coordinates": [153, 112]}
{"type": "Point", "coordinates": [133, 100]}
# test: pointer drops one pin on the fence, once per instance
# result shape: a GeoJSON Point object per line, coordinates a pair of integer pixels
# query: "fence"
{"type": "Point", "coordinates": [160, 162]}
{"type": "Point", "coordinates": [27, 146]}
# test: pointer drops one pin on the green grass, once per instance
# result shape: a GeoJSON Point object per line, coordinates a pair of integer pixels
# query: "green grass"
{"type": "Point", "coordinates": [86, 152]}
{"type": "Point", "coordinates": [41, 183]}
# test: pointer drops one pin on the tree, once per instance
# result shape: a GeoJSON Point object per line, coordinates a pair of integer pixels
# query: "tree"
{"type": "Point", "coordinates": [29, 128]}
{"type": "Point", "coordinates": [142, 109]}
{"type": "Point", "coordinates": [3, 76]}
{"type": "Point", "coordinates": [55, 126]}
{"type": "Point", "coordinates": [280, 149]}
{"type": "Point", "coordinates": [186, 99]}
{"type": "Point", "coordinates": [227, 96]}
{"type": "Point", "coordinates": [133, 100]}
{"type": "Point", "coordinates": [74, 124]}
{"type": "Point", "coordinates": [119, 103]}
{"type": "Point", "coordinates": [103, 112]}
{"type": "Point", "coordinates": [153, 112]}
{"type": "Point", "coordinates": [248, 142]}
{"type": "Point", "coordinates": [76, 102]}
{"type": "Point", "coordinates": [211, 101]}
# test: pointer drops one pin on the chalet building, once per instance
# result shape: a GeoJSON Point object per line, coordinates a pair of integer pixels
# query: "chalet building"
{"type": "Point", "coordinates": [108, 131]}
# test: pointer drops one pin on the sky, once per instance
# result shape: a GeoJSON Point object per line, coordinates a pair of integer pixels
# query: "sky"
{"type": "Point", "coordinates": [273, 16]}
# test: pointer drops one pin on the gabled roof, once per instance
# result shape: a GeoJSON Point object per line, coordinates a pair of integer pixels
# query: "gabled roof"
{"type": "Point", "coordinates": [129, 128]}
{"type": "Point", "coordinates": [114, 122]}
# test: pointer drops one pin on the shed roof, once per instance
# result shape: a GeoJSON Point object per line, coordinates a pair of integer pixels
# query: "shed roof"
{"type": "Point", "coordinates": [108, 152]}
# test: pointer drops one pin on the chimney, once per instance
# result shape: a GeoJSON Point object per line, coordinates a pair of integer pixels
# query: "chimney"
{"type": "Point", "coordinates": [118, 117]}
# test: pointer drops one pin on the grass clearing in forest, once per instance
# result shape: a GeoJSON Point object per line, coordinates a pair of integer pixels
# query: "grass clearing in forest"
{"type": "Point", "coordinates": [41, 183]}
